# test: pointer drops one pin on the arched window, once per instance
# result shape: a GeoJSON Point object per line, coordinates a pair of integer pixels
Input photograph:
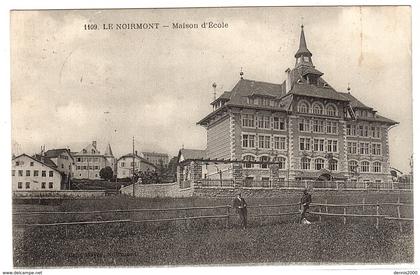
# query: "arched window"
{"type": "Point", "coordinates": [353, 166]}
{"type": "Point", "coordinates": [331, 110]}
{"type": "Point", "coordinates": [264, 159]}
{"type": "Point", "coordinates": [377, 167]}
{"type": "Point", "coordinates": [84, 151]}
{"type": "Point", "coordinates": [364, 166]}
{"type": "Point", "coordinates": [305, 164]}
{"type": "Point", "coordinates": [281, 161]}
{"type": "Point", "coordinates": [317, 109]}
{"type": "Point", "coordinates": [319, 164]}
{"type": "Point", "coordinates": [249, 158]}
{"type": "Point", "coordinates": [303, 107]}
{"type": "Point", "coordinates": [93, 152]}
{"type": "Point", "coordinates": [333, 165]}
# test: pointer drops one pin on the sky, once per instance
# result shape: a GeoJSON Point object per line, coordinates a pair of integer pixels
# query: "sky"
{"type": "Point", "coordinates": [71, 86]}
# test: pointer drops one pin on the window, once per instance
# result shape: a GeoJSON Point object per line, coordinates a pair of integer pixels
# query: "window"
{"type": "Point", "coordinates": [62, 165]}
{"type": "Point", "coordinates": [43, 173]}
{"type": "Point", "coordinates": [331, 145]}
{"type": "Point", "coordinates": [377, 167]}
{"type": "Point", "coordinates": [352, 147]}
{"type": "Point", "coordinates": [13, 173]}
{"type": "Point", "coordinates": [364, 148]}
{"type": "Point", "coordinates": [96, 167]}
{"type": "Point", "coordinates": [249, 158]}
{"type": "Point", "coordinates": [264, 159]}
{"type": "Point", "coordinates": [264, 122]}
{"type": "Point", "coordinates": [78, 159]}
{"type": "Point", "coordinates": [17, 163]}
{"type": "Point", "coordinates": [331, 127]}
{"type": "Point", "coordinates": [376, 149]}
{"type": "Point", "coordinates": [304, 125]}
{"type": "Point", "coordinates": [331, 110]}
{"type": "Point", "coordinates": [278, 123]}
{"type": "Point", "coordinates": [305, 164]}
{"type": "Point", "coordinates": [319, 164]}
{"type": "Point", "coordinates": [28, 173]}
{"type": "Point", "coordinates": [318, 145]}
{"type": "Point", "coordinates": [248, 141]}
{"type": "Point", "coordinates": [318, 126]}
{"type": "Point", "coordinates": [50, 174]}
{"type": "Point", "coordinates": [27, 185]}
{"type": "Point", "coordinates": [364, 167]}
{"type": "Point", "coordinates": [31, 163]}
{"type": "Point", "coordinates": [20, 173]}
{"type": "Point", "coordinates": [36, 173]}
{"type": "Point", "coordinates": [264, 142]}
{"type": "Point", "coordinates": [304, 144]}
{"type": "Point", "coordinates": [122, 164]}
{"type": "Point", "coordinates": [247, 120]}
{"type": "Point", "coordinates": [333, 165]}
{"type": "Point", "coordinates": [50, 185]}
{"type": "Point", "coordinates": [351, 130]}
{"type": "Point", "coordinates": [363, 130]}
{"type": "Point", "coordinates": [84, 151]}
{"type": "Point", "coordinates": [43, 185]}
{"type": "Point", "coordinates": [303, 107]}
{"type": "Point", "coordinates": [279, 143]}
{"type": "Point", "coordinates": [19, 185]}
{"type": "Point", "coordinates": [353, 166]}
{"type": "Point", "coordinates": [281, 161]}
{"type": "Point", "coordinates": [317, 109]}
{"type": "Point", "coordinates": [376, 132]}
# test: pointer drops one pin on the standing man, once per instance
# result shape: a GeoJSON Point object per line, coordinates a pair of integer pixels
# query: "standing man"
{"type": "Point", "coordinates": [305, 200]}
{"type": "Point", "coordinates": [240, 205]}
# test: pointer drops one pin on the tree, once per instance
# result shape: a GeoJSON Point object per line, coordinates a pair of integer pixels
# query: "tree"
{"type": "Point", "coordinates": [106, 173]}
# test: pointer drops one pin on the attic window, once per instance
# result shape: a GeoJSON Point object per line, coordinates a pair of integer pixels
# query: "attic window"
{"type": "Point", "coordinates": [299, 81]}
{"type": "Point", "coordinates": [326, 85]}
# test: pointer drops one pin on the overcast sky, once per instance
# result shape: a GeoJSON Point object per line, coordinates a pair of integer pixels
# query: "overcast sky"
{"type": "Point", "coordinates": [71, 86]}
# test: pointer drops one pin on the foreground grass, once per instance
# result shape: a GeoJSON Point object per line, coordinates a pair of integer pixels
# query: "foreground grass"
{"type": "Point", "coordinates": [325, 242]}
{"type": "Point", "coordinates": [270, 240]}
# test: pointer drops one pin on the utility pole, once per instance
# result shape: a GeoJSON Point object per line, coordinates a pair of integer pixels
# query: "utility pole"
{"type": "Point", "coordinates": [133, 168]}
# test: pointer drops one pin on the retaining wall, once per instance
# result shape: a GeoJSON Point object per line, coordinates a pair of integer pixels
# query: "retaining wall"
{"type": "Point", "coordinates": [59, 194]}
{"type": "Point", "coordinates": [157, 190]}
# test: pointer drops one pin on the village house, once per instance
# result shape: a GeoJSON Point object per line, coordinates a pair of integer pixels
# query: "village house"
{"type": "Point", "coordinates": [89, 161]}
{"type": "Point", "coordinates": [308, 128]}
{"type": "Point", "coordinates": [125, 165]}
{"type": "Point", "coordinates": [35, 174]}
{"type": "Point", "coordinates": [64, 162]}
{"type": "Point", "coordinates": [158, 159]}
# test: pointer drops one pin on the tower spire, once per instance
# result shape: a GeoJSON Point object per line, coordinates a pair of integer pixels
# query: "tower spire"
{"type": "Point", "coordinates": [303, 55]}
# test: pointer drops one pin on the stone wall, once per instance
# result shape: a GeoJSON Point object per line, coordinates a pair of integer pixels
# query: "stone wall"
{"type": "Point", "coordinates": [157, 190]}
{"type": "Point", "coordinates": [60, 193]}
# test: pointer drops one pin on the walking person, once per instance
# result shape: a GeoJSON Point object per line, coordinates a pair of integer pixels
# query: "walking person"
{"type": "Point", "coordinates": [305, 201]}
{"type": "Point", "coordinates": [240, 205]}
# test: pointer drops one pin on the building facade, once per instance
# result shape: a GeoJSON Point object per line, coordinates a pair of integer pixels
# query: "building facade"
{"type": "Point", "coordinates": [310, 130]}
{"type": "Point", "coordinates": [89, 161]}
{"type": "Point", "coordinates": [64, 161]}
{"type": "Point", "coordinates": [125, 165]}
{"type": "Point", "coordinates": [35, 174]}
{"type": "Point", "coordinates": [158, 159]}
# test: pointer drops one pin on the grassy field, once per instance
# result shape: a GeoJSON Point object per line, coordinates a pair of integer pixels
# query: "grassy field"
{"type": "Point", "coordinates": [268, 240]}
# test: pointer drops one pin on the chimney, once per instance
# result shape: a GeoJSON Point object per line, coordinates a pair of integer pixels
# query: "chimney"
{"type": "Point", "coordinates": [136, 153]}
{"type": "Point", "coordinates": [288, 81]}
{"type": "Point", "coordinates": [94, 143]}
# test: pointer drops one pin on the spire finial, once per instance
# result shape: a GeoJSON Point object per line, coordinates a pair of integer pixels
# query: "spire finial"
{"type": "Point", "coordinates": [214, 85]}
{"type": "Point", "coordinates": [241, 74]}
{"type": "Point", "coordinates": [348, 87]}
{"type": "Point", "coordinates": [301, 23]}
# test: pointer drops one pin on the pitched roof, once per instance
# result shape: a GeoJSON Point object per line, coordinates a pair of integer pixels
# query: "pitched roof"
{"type": "Point", "coordinates": [54, 153]}
{"type": "Point", "coordinates": [305, 89]}
{"type": "Point", "coordinates": [310, 70]}
{"type": "Point", "coordinates": [188, 154]}
{"type": "Point", "coordinates": [45, 161]}
{"type": "Point", "coordinates": [354, 102]}
{"type": "Point", "coordinates": [224, 96]}
{"type": "Point", "coordinates": [130, 155]}
{"type": "Point", "coordinates": [378, 118]}
{"type": "Point", "coordinates": [108, 151]}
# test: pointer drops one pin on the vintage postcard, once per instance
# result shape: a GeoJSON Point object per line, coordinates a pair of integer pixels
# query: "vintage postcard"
{"type": "Point", "coordinates": [212, 137]}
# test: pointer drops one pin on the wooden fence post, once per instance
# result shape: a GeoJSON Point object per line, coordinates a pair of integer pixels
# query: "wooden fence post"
{"type": "Point", "coordinates": [377, 213]}
{"type": "Point", "coordinates": [326, 207]}
{"type": "Point", "coordinates": [345, 212]}
{"type": "Point", "coordinates": [399, 214]}
{"type": "Point", "coordinates": [260, 211]}
{"type": "Point", "coordinates": [320, 211]}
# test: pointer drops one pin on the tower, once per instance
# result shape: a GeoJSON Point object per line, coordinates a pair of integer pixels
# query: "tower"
{"type": "Point", "coordinates": [303, 55]}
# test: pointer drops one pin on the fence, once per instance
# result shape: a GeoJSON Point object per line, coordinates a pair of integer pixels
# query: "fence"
{"type": "Point", "coordinates": [257, 211]}
{"type": "Point", "coordinates": [338, 185]}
